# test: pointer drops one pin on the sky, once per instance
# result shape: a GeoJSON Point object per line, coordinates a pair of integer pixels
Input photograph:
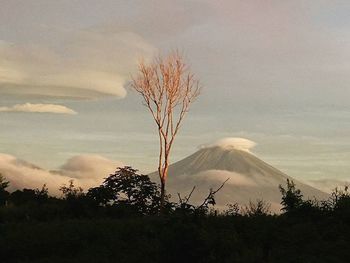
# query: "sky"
{"type": "Point", "coordinates": [273, 72]}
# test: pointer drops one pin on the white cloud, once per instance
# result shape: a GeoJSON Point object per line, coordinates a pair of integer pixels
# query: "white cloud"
{"type": "Point", "coordinates": [86, 171]}
{"type": "Point", "coordinates": [39, 108]}
{"type": "Point", "coordinates": [89, 166]}
{"type": "Point", "coordinates": [85, 64]}
{"type": "Point", "coordinates": [218, 176]}
{"type": "Point", "coordinates": [232, 143]}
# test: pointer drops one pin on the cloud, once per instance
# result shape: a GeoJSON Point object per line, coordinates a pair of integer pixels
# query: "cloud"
{"type": "Point", "coordinates": [38, 108]}
{"type": "Point", "coordinates": [232, 143]}
{"type": "Point", "coordinates": [218, 176]}
{"type": "Point", "coordinates": [88, 166]}
{"type": "Point", "coordinates": [328, 185]}
{"type": "Point", "coordinates": [84, 64]}
{"type": "Point", "coordinates": [86, 171]}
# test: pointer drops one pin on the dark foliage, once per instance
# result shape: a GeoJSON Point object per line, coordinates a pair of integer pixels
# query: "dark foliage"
{"type": "Point", "coordinates": [259, 208]}
{"type": "Point", "coordinates": [3, 193]}
{"type": "Point", "coordinates": [128, 189]}
{"type": "Point", "coordinates": [25, 196]}
{"type": "Point", "coordinates": [119, 221]}
{"type": "Point", "coordinates": [291, 197]}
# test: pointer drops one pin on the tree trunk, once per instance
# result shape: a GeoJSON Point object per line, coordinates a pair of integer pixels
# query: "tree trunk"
{"type": "Point", "coordinates": [162, 186]}
{"type": "Point", "coordinates": [162, 195]}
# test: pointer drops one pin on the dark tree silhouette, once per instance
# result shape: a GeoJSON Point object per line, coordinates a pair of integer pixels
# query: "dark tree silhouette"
{"type": "Point", "coordinates": [291, 197]}
{"type": "Point", "coordinates": [3, 193]}
{"type": "Point", "coordinates": [3, 183]}
{"type": "Point", "coordinates": [127, 187]}
{"type": "Point", "coordinates": [232, 210]}
{"type": "Point", "coordinates": [79, 228]}
{"type": "Point", "coordinates": [340, 199]}
{"type": "Point", "coordinates": [21, 197]}
{"type": "Point", "coordinates": [71, 191]}
{"type": "Point", "coordinates": [258, 208]}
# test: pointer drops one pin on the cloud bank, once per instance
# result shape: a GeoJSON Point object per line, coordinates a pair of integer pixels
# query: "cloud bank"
{"type": "Point", "coordinates": [39, 108]}
{"type": "Point", "coordinates": [86, 171]}
{"type": "Point", "coordinates": [218, 176]}
{"type": "Point", "coordinates": [90, 166]}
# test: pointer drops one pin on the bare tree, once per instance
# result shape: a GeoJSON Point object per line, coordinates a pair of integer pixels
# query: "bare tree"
{"type": "Point", "coordinates": [168, 87]}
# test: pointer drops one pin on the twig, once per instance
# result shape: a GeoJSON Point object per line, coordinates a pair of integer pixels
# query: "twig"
{"type": "Point", "coordinates": [211, 195]}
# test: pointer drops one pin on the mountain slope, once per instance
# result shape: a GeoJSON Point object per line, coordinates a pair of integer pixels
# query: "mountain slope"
{"type": "Point", "coordinates": [250, 177]}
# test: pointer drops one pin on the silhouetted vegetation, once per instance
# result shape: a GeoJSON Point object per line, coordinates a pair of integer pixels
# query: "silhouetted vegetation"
{"type": "Point", "coordinates": [4, 195]}
{"type": "Point", "coordinates": [119, 221]}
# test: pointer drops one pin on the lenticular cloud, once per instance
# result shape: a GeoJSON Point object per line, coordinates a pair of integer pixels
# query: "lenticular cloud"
{"type": "Point", "coordinates": [233, 143]}
{"type": "Point", "coordinates": [38, 108]}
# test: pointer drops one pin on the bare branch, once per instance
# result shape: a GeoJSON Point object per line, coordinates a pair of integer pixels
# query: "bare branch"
{"type": "Point", "coordinates": [210, 197]}
{"type": "Point", "coordinates": [190, 194]}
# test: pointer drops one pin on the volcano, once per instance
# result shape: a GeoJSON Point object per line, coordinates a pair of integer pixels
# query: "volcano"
{"type": "Point", "coordinates": [249, 177]}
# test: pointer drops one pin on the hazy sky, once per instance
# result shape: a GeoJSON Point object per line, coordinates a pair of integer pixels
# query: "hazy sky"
{"type": "Point", "coordinates": [275, 72]}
